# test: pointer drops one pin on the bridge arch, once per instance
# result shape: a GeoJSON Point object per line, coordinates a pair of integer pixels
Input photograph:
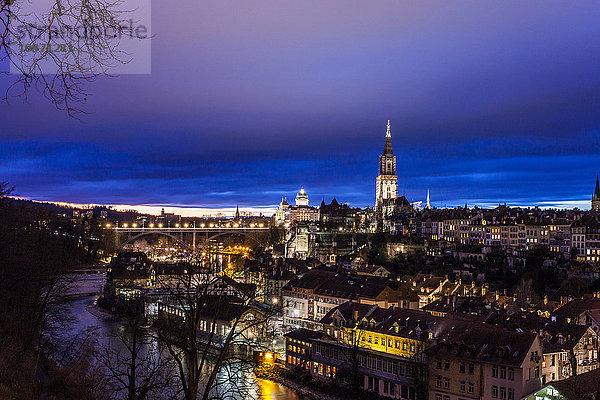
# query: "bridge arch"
{"type": "Point", "coordinates": [158, 232]}
{"type": "Point", "coordinates": [201, 246]}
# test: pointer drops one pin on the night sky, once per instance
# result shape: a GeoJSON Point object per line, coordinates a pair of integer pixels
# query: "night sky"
{"type": "Point", "coordinates": [248, 101]}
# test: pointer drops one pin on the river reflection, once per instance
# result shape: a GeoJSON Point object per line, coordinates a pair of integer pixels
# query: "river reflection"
{"type": "Point", "coordinates": [88, 284]}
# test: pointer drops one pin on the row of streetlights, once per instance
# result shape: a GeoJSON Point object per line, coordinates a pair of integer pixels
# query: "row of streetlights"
{"type": "Point", "coordinates": [186, 225]}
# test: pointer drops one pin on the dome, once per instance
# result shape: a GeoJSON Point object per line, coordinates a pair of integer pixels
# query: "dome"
{"type": "Point", "coordinates": [302, 198]}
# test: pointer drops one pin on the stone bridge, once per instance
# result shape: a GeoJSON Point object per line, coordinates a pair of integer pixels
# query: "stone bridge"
{"type": "Point", "coordinates": [190, 237]}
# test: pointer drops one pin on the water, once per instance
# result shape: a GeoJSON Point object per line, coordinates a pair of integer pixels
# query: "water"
{"type": "Point", "coordinates": [88, 284]}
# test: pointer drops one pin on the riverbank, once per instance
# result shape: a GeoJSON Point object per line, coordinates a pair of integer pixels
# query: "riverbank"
{"type": "Point", "coordinates": [277, 374]}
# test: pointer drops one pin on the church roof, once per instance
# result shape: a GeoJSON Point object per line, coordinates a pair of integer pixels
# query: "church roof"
{"type": "Point", "coordinates": [597, 192]}
{"type": "Point", "coordinates": [402, 201]}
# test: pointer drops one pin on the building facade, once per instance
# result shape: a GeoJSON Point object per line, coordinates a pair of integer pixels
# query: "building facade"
{"type": "Point", "coordinates": [484, 363]}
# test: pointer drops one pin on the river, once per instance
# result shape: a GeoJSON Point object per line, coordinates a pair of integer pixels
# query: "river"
{"type": "Point", "coordinates": [87, 285]}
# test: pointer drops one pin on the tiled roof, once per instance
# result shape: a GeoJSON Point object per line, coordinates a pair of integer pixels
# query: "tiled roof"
{"type": "Point", "coordinates": [551, 333]}
{"type": "Point", "coordinates": [304, 334]}
{"type": "Point", "coordinates": [394, 321]}
{"type": "Point", "coordinates": [576, 307]}
{"type": "Point", "coordinates": [581, 386]}
{"type": "Point", "coordinates": [488, 344]}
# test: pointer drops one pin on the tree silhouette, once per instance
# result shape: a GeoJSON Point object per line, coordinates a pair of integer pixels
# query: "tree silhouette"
{"type": "Point", "coordinates": [55, 51]}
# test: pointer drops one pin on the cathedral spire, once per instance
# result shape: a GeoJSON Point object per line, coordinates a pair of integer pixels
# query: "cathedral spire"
{"type": "Point", "coordinates": [596, 196]}
{"type": "Point", "coordinates": [387, 149]}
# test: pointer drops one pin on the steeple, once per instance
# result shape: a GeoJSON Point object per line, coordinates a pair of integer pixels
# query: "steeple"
{"type": "Point", "coordinates": [237, 212]}
{"type": "Point", "coordinates": [387, 149]}
{"type": "Point", "coordinates": [596, 196]}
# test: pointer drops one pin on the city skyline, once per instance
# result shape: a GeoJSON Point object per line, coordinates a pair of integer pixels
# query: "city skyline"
{"type": "Point", "coordinates": [255, 209]}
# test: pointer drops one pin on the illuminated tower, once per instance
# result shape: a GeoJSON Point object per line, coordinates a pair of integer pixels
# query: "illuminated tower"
{"type": "Point", "coordinates": [596, 196]}
{"type": "Point", "coordinates": [428, 205]}
{"type": "Point", "coordinates": [387, 180]}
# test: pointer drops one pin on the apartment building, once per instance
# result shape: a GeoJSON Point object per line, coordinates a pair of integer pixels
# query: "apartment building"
{"type": "Point", "coordinates": [481, 362]}
{"type": "Point", "coordinates": [585, 238]}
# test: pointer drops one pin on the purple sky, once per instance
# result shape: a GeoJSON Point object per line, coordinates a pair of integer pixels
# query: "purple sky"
{"type": "Point", "coordinates": [248, 101]}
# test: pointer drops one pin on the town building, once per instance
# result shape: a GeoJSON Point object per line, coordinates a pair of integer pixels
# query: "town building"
{"type": "Point", "coordinates": [302, 211]}
{"type": "Point", "coordinates": [480, 362]}
{"type": "Point", "coordinates": [217, 316]}
{"type": "Point", "coordinates": [298, 347]}
{"type": "Point", "coordinates": [308, 298]}
{"type": "Point", "coordinates": [386, 345]}
{"type": "Point", "coordinates": [275, 280]}
{"type": "Point", "coordinates": [585, 238]}
{"type": "Point", "coordinates": [565, 346]}
{"type": "Point", "coordinates": [282, 213]}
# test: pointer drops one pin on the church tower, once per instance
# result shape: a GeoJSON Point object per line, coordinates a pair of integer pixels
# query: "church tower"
{"type": "Point", "coordinates": [596, 196]}
{"type": "Point", "coordinates": [387, 180]}
{"type": "Point", "coordinates": [428, 205]}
